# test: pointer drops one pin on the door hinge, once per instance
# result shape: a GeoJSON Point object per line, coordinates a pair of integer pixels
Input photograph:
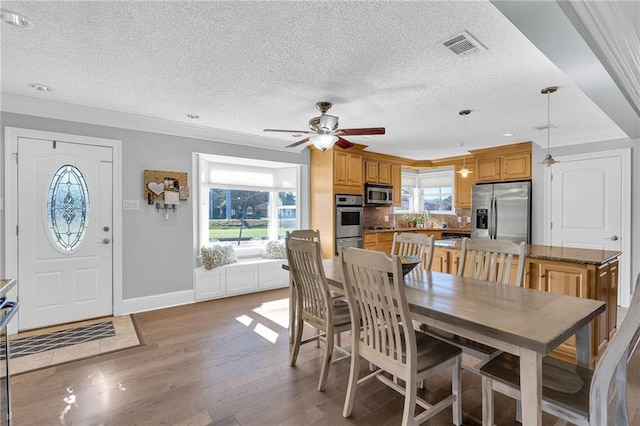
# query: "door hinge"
{"type": "Point", "coordinates": [17, 231]}
{"type": "Point", "coordinates": [551, 225]}
{"type": "Point", "coordinates": [552, 177]}
{"type": "Point", "coordinates": [16, 155]}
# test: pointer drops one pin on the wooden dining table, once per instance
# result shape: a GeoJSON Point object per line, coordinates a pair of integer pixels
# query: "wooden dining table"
{"type": "Point", "coordinates": [524, 322]}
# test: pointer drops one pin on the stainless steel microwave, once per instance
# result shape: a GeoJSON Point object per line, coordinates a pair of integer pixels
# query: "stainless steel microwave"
{"type": "Point", "coordinates": [377, 194]}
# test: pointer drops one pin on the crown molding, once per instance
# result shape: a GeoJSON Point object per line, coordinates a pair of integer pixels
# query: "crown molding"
{"type": "Point", "coordinates": [69, 112]}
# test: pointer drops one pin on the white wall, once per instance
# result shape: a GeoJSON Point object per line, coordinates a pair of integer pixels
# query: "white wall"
{"type": "Point", "coordinates": [537, 200]}
{"type": "Point", "coordinates": [158, 255]}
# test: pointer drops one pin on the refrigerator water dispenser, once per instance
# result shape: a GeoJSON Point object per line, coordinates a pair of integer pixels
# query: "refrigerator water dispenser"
{"type": "Point", "coordinates": [482, 219]}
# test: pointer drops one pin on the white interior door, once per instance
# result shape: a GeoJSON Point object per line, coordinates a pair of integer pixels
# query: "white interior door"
{"type": "Point", "coordinates": [65, 256]}
{"type": "Point", "coordinates": [588, 205]}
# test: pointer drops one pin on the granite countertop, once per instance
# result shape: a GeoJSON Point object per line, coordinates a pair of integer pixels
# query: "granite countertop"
{"type": "Point", "coordinates": [406, 229]}
{"type": "Point", "coordinates": [563, 254]}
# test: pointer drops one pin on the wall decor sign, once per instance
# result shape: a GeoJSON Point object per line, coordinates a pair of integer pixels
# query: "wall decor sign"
{"type": "Point", "coordinates": [162, 185]}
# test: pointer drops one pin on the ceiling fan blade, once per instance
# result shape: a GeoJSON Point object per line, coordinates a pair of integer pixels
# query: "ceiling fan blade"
{"type": "Point", "coordinates": [343, 143]}
{"type": "Point", "coordinates": [362, 132]}
{"type": "Point", "coordinates": [298, 143]}
{"type": "Point", "coordinates": [288, 131]}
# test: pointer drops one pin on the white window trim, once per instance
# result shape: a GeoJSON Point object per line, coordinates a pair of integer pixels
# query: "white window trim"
{"type": "Point", "coordinates": [201, 233]}
{"type": "Point", "coordinates": [414, 206]}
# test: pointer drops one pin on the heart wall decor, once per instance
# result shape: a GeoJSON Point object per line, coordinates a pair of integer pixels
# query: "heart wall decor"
{"type": "Point", "coordinates": [156, 188]}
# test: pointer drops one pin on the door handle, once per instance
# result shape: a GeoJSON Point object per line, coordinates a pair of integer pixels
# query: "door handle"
{"type": "Point", "coordinates": [104, 241]}
{"type": "Point", "coordinates": [613, 238]}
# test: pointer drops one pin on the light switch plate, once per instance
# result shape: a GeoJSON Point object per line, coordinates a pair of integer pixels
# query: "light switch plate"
{"type": "Point", "coordinates": [468, 219]}
{"type": "Point", "coordinates": [130, 205]}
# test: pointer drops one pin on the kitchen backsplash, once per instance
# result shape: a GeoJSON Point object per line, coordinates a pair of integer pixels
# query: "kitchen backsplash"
{"type": "Point", "coordinates": [374, 217]}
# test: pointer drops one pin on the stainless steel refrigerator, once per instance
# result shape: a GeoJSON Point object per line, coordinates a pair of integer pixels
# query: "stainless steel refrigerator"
{"type": "Point", "coordinates": [501, 211]}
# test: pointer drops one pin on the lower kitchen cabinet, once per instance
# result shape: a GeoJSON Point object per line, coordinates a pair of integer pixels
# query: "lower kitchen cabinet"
{"type": "Point", "coordinates": [440, 260]}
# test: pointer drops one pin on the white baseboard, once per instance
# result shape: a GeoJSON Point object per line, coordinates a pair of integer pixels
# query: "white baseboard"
{"type": "Point", "coordinates": [150, 303]}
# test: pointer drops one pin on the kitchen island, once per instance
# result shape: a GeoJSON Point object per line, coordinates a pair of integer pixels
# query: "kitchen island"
{"type": "Point", "coordinates": [586, 273]}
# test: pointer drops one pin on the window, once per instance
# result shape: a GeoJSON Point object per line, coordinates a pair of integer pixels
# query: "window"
{"type": "Point", "coordinates": [246, 202]}
{"type": "Point", "coordinates": [430, 190]}
{"type": "Point", "coordinates": [68, 208]}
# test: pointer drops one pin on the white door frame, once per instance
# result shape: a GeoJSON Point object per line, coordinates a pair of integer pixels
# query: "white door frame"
{"type": "Point", "coordinates": [11, 136]}
{"type": "Point", "coordinates": [624, 291]}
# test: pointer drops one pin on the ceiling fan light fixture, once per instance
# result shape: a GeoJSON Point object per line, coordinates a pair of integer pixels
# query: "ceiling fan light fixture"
{"type": "Point", "coordinates": [323, 141]}
{"type": "Point", "coordinates": [548, 159]}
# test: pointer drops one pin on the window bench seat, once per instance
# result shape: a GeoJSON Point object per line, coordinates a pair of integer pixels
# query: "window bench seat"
{"type": "Point", "coordinates": [244, 276]}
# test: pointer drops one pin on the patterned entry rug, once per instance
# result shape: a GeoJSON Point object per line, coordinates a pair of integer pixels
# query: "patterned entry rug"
{"type": "Point", "coordinates": [58, 339]}
{"type": "Point", "coordinates": [42, 348]}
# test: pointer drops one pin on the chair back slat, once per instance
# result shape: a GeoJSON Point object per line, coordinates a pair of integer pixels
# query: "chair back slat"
{"type": "Point", "coordinates": [491, 260]}
{"type": "Point", "coordinates": [312, 289]}
{"type": "Point", "coordinates": [420, 245]}
{"type": "Point", "coordinates": [611, 367]}
{"type": "Point", "coordinates": [380, 304]}
{"type": "Point", "coordinates": [304, 234]}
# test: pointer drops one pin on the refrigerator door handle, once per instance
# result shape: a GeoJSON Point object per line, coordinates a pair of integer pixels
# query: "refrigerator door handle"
{"type": "Point", "coordinates": [495, 218]}
{"type": "Point", "coordinates": [492, 219]}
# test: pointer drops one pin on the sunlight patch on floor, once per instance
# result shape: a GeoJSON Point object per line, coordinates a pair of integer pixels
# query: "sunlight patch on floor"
{"type": "Point", "coordinates": [266, 332]}
{"type": "Point", "coordinates": [276, 311]}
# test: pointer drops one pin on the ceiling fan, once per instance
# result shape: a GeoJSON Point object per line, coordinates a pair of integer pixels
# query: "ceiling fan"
{"type": "Point", "coordinates": [324, 131]}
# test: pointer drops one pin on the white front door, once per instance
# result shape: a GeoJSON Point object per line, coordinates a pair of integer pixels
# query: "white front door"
{"type": "Point", "coordinates": [588, 205]}
{"type": "Point", "coordinates": [65, 256]}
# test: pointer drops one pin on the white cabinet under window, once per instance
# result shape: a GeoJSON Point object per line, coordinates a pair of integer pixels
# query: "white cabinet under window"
{"type": "Point", "coordinates": [239, 278]}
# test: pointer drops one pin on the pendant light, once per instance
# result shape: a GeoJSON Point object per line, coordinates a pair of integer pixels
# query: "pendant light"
{"type": "Point", "coordinates": [464, 170]}
{"type": "Point", "coordinates": [548, 159]}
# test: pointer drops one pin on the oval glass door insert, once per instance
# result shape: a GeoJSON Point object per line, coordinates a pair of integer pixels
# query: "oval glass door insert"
{"type": "Point", "coordinates": [68, 207]}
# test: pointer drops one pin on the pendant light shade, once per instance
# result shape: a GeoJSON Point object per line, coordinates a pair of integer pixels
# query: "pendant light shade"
{"type": "Point", "coordinates": [548, 159]}
{"type": "Point", "coordinates": [464, 170]}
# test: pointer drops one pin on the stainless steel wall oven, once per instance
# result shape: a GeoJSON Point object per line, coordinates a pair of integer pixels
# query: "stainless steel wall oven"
{"type": "Point", "coordinates": [349, 224]}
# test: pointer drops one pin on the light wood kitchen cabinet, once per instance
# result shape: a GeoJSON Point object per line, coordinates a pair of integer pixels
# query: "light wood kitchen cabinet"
{"type": "Point", "coordinates": [377, 172]}
{"type": "Point", "coordinates": [517, 166]}
{"type": "Point", "coordinates": [370, 242]}
{"type": "Point", "coordinates": [440, 260]}
{"type": "Point", "coordinates": [462, 189]}
{"type": "Point", "coordinates": [488, 169]}
{"type": "Point", "coordinates": [505, 163]}
{"type": "Point", "coordinates": [561, 278]}
{"type": "Point", "coordinates": [396, 182]}
{"type": "Point", "coordinates": [348, 169]}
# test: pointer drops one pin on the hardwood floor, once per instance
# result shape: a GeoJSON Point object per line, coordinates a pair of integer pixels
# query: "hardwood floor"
{"type": "Point", "coordinates": [226, 363]}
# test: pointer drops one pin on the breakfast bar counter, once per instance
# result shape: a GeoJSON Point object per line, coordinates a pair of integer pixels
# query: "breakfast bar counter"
{"type": "Point", "coordinates": [585, 273]}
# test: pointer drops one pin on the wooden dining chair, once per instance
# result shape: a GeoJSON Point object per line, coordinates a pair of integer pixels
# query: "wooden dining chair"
{"type": "Point", "coordinates": [387, 338]}
{"type": "Point", "coordinates": [314, 304]}
{"type": "Point", "coordinates": [410, 244]}
{"type": "Point", "coordinates": [575, 394]}
{"type": "Point", "coordinates": [492, 260]}
{"type": "Point", "coordinates": [488, 260]}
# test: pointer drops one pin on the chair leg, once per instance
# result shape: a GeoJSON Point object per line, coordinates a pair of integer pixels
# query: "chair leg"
{"type": "Point", "coordinates": [487, 401]}
{"type": "Point", "coordinates": [410, 391]}
{"type": "Point", "coordinates": [297, 338]}
{"type": "Point", "coordinates": [353, 381]}
{"type": "Point", "coordinates": [456, 386]}
{"type": "Point", "coordinates": [326, 362]}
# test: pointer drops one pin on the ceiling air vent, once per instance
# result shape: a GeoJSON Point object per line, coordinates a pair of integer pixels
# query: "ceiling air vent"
{"type": "Point", "coordinates": [463, 44]}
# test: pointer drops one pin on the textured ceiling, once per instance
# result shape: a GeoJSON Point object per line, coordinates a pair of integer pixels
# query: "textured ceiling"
{"type": "Point", "coordinates": [246, 66]}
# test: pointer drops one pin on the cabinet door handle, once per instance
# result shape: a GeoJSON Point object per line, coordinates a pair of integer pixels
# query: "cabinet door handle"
{"type": "Point", "coordinates": [613, 238]}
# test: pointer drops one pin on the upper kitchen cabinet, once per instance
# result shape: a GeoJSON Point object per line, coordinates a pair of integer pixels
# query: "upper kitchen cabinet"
{"type": "Point", "coordinates": [377, 172]}
{"type": "Point", "coordinates": [504, 163]}
{"type": "Point", "coordinates": [463, 185]}
{"type": "Point", "coordinates": [347, 171]}
{"type": "Point", "coordinates": [396, 182]}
